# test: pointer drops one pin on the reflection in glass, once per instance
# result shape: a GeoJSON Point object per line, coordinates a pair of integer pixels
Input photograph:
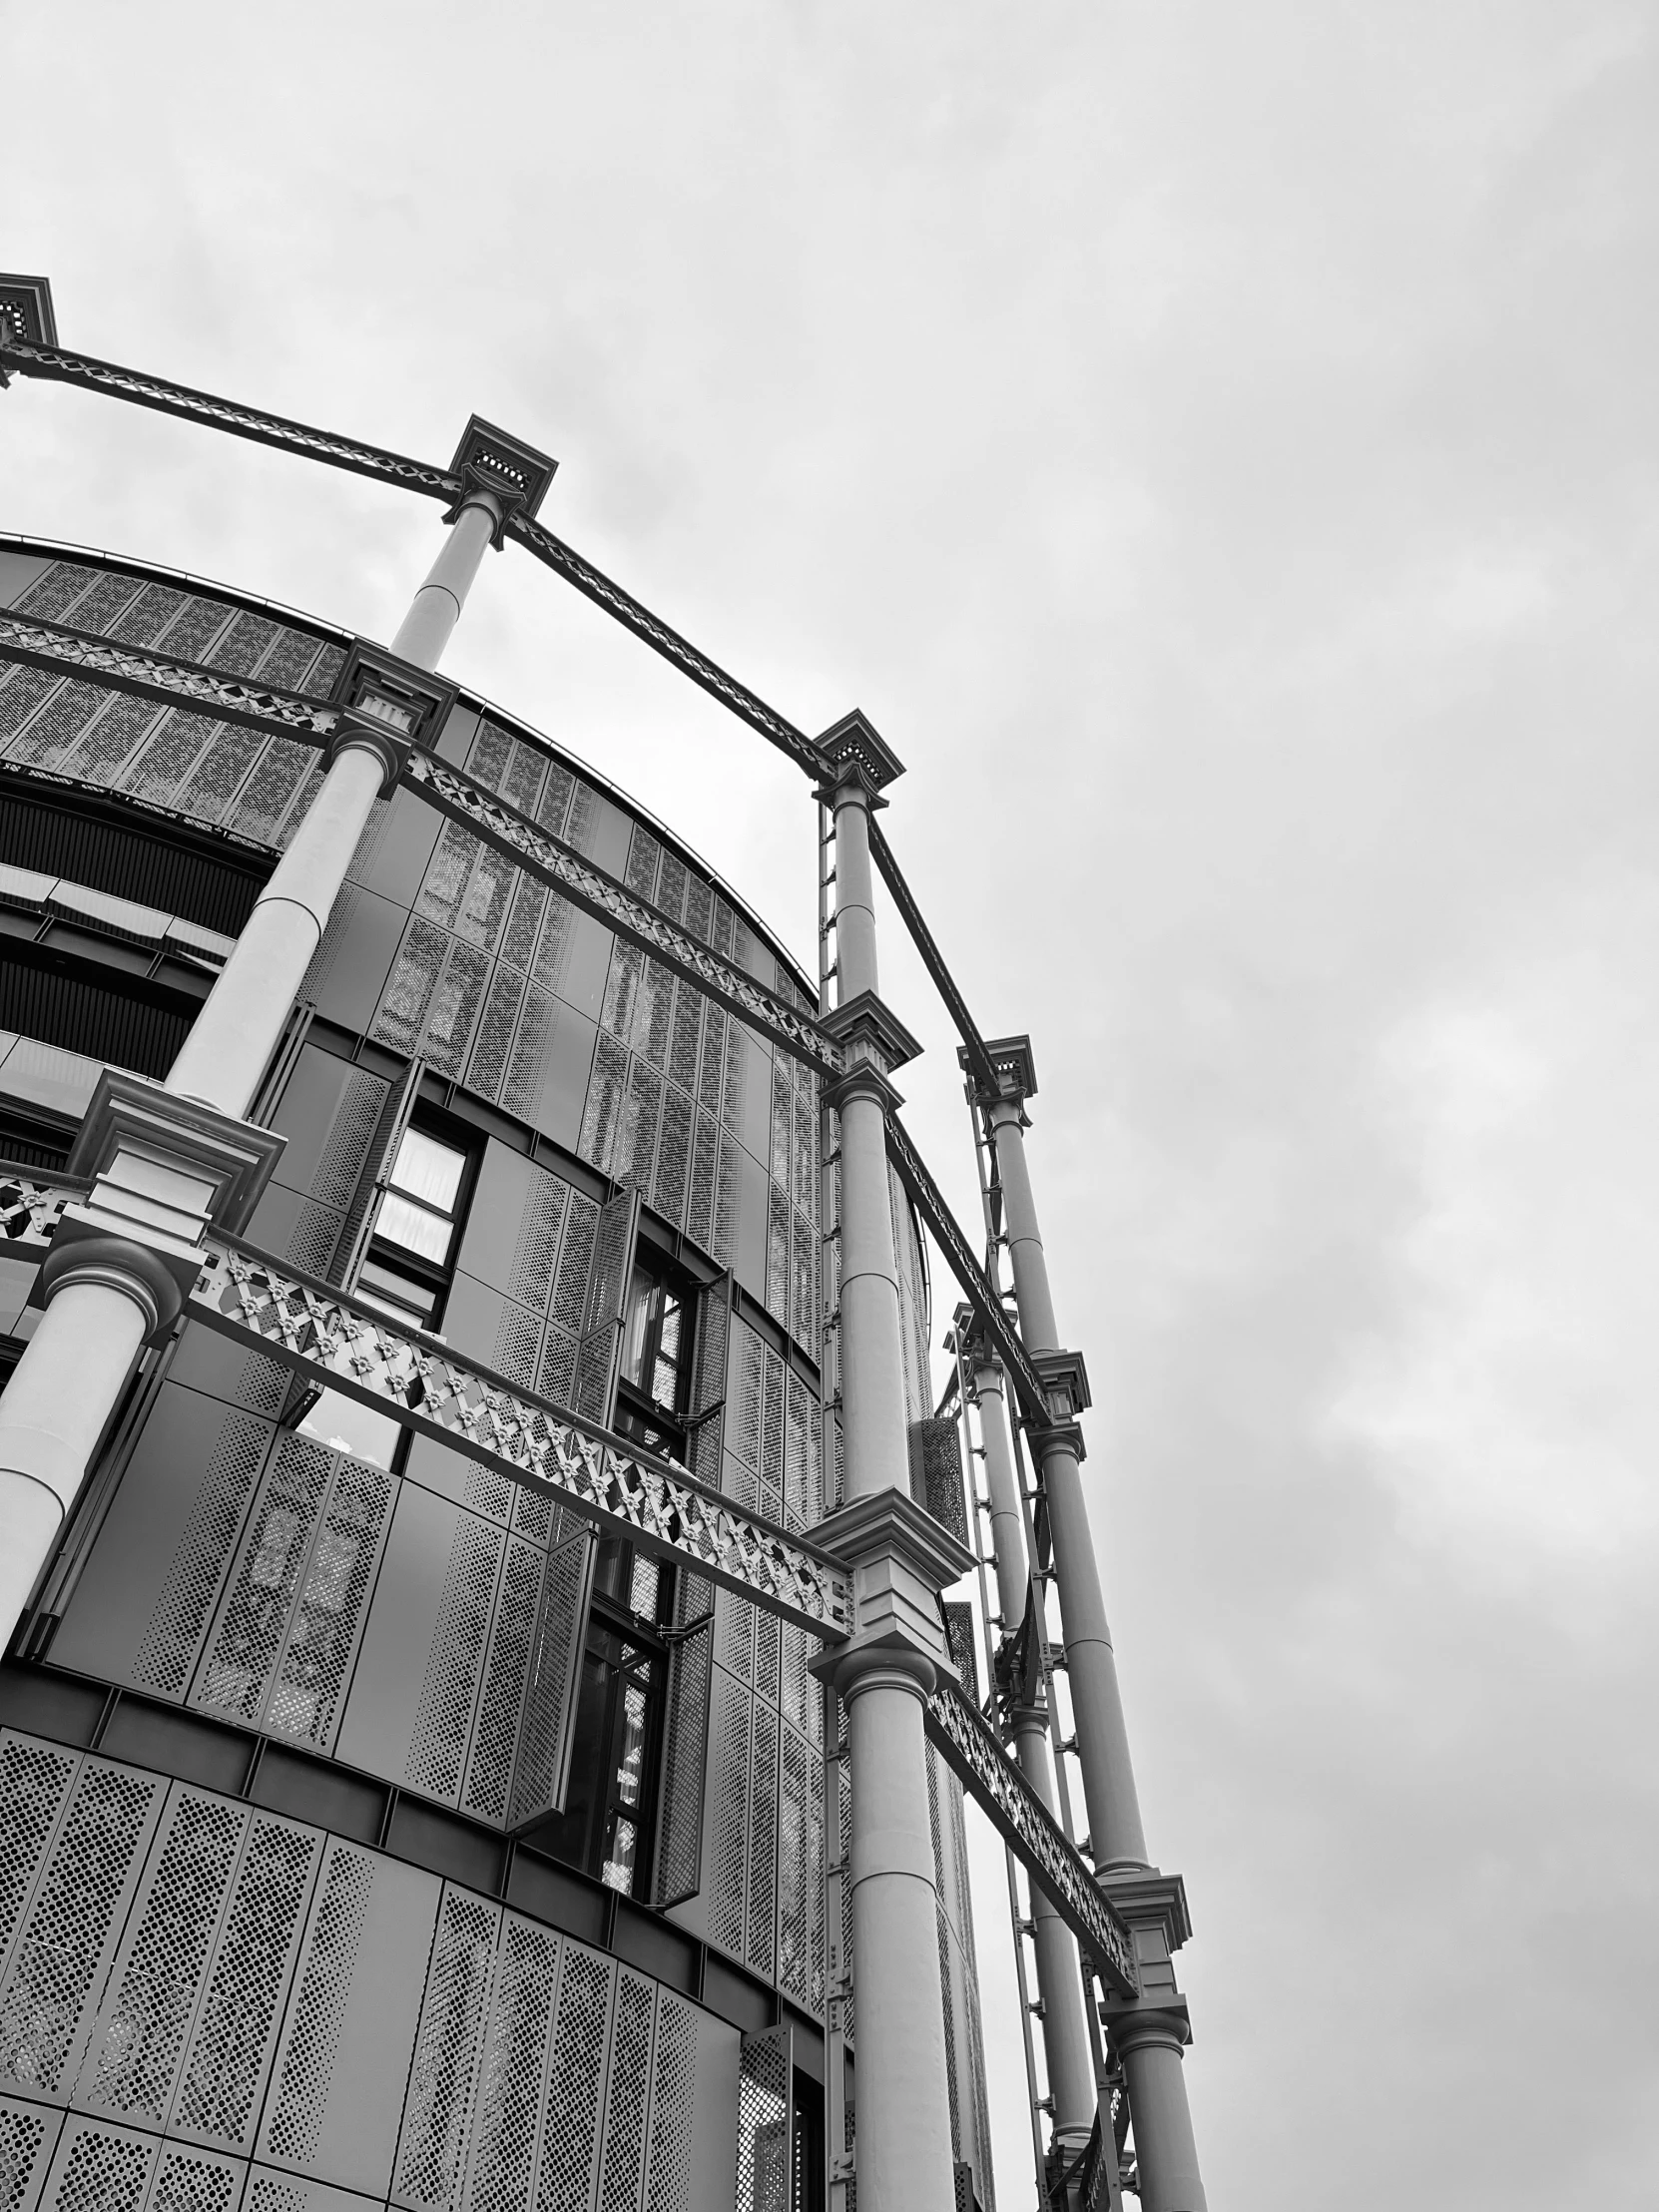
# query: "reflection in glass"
{"type": "Point", "coordinates": [428, 1170]}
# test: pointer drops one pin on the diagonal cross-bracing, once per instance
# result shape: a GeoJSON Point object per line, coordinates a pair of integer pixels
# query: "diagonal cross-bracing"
{"type": "Point", "coordinates": [65, 652]}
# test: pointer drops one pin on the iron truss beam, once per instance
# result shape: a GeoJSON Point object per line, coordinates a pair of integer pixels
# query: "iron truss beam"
{"type": "Point", "coordinates": [972, 1279]}
{"type": "Point", "coordinates": [65, 652]}
{"type": "Point", "coordinates": [62, 651]}
{"type": "Point", "coordinates": [60, 367]}
{"type": "Point", "coordinates": [970, 1748]}
{"type": "Point", "coordinates": [456, 794]}
{"type": "Point", "coordinates": [931, 957]}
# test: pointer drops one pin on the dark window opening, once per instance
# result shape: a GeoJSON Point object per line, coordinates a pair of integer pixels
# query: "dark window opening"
{"type": "Point", "coordinates": [608, 1825]}
{"type": "Point", "coordinates": [653, 1383]}
{"type": "Point", "coordinates": [807, 2147]}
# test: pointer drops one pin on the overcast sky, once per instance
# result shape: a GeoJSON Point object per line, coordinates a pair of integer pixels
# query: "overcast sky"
{"type": "Point", "coordinates": [1215, 444]}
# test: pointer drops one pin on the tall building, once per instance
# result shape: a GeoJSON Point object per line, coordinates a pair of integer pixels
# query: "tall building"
{"type": "Point", "coordinates": [480, 1727]}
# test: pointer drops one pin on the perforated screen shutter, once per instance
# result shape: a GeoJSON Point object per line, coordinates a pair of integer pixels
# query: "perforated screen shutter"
{"type": "Point", "coordinates": [378, 1156]}
{"type": "Point", "coordinates": [677, 1873]}
{"type": "Point", "coordinates": [713, 1318]}
{"type": "Point", "coordinates": [541, 1760]}
{"type": "Point", "coordinates": [764, 2135]}
{"type": "Point", "coordinates": [600, 1350]}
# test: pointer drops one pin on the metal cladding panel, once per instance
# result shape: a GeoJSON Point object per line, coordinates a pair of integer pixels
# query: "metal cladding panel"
{"type": "Point", "coordinates": [765, 2181]}
{"type": "Point", "coordinates": [546, 1719]}
{"type": "Point", "coordinates": [628, 2093]}
{"type": "Point", "coordinates": [268, 2191]}
{"type": "Point", "coordinates": [450, 2045]}
{"type": "Point", "coordinates": [678, 1873]}
{"type": "Point", "coordinates": [750, 1202]}
{"type": "Point", "coordinates": [338, 2085]}
{"type": "Point", "coordinates": [378, 1727]}
{"type": "Point", "coordinates": [147, 1592]}
{"type": "Point", "coordinates": [576, 2079]}
{"type": "Point", "coordinates": [350, 966]}
{"type": "Point", "coordinates": [670, 2158]}
{"type": "Point", "coordinates": [403, 849]}
{"type": "Point", "coordinates": [28, 2137]}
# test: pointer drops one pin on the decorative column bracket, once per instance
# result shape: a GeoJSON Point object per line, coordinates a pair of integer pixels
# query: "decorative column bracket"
{"type": "Point", "coordinates": [972, 1279]}
{"type": "Point", "coordinates": [970, 1747]}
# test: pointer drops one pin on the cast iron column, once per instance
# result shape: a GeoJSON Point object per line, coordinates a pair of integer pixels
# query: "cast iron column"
{"type": "Point", "coordinates": [167, 1165]}
{"type": "Point", "coordinates": [899, 1559]}
{"type": "Point", "coordinates": [1150, 2032]}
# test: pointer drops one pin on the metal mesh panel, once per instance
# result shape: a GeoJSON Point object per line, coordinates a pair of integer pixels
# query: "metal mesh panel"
{"type": "Point", "coordinates": [489, 1768]}
{"type": "Point", "coordinates": [293, 2127]}
{"type": "Point", "coordinates": [768, 1657]}
{"type": "Point", "coordinates": [248, 1636]}
{"type": "Point", "coordinates": [962, 1641]}
{"type": "Point", "coordinates": [26, 2134]}
{"type": "Point", "coordinates": [711, 1075]}
{"type": "Point", "coordinates": [936, 1473]}
{"type": "Point", "coordinates": [760, 1917]}
{"type": "Point", "coordinates": [444, 1713]}
{"type": "Point", "coordinates": [700, 1205]}
{"type": "Point", "coordinates": [682, 1051]}
{"type": "Point", "coordinates": [644, 852]}
{"type": "Point", "coordinates": [243, 645]}
{"type": "Point", "coordinates": [598, 1351]}
{"type": "Point", "coordinates": [71, 1921]}
{"type": "Point", "coordinates": [55, 590]}
{"type": "Point", "coordinates": [350, 1133]}
{"type": "Point", "coordinates": [34, 1788]}
{"type": "Point", "coordinates": [99, 2170]}
{"type": "Point", "coordinates": [943, 1936]}
{"type": "Point", "coordinates": [764, 2144]}
{"type": "Point", "coordinates": [231, 2044]}
{"type": "Point", "coordinates": [735, 1625]}
{"type": "Point", "coordinates": [622, 983]}
{"type": "Point", "coordinates": [195, 628]}
{"type": "Point", "coordinates": [48, 736]}
{"type": "Point", "coordinates": [193, 2181]}
{"type": "Point", "coordinates": [654, 1013]}
{"type": "Point", "coordinates": [602, 1110]}
{"type": "Point", "coordinates": [488, 1492]}
{"type": "Point", "coordinates": [636, 1145]}
{"type": "Point", "coordinates": [131, 2064]}
{"type": "Point", "coordinates": [327, 1618]}
{"type": "Point", "coordinates": [729, 1807]}
{"type": "Point", "coordinates": [542, 1754]}
{"type": "Point", "coordinates": [517, 1345]}
{"type": "Point", "coordinates": [672, 2102]}
{"type": "Point", "coordinates": [439, 2108]}
{"type": "Point", "coordinates": [570, 2134]}
{"type": "Point", "coordinates": [794, 1871]}
{"type": "Point", "coordinates": [20, 698]}
{"type": "Point", "coordinates": [401, 1017]}
{"type": "Point", "coordinates": [628, 2094]}
{"type": "Point", "coordinates": [777, 1253]}
{"type": "Point", "coordinates": [220, 773]}
{"type": "Point", "coordinates": [510, 2078]}
{"type": "Point", "coordinates": [668, 1180]}
{"type": "Point", "coordinates": [454, 1009]}
{"type": "Point", "coordinates": [679, 1868]}
{"type": "Point", "coordinates": [570, 1284]}
{"type": "Point", "coordinates": [527, 1054]}
{"type": "Point", "coordinates": [267, 2194]}
{"type": "Point", "coordinates": [541, 1228]}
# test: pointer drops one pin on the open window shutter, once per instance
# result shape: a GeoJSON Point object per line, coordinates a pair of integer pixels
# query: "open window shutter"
{"type": "Point", "coordinates": [708, 1406]}
{"type": "Point", "coordinates": [599, 1352]}
{"type": "Point", "coordinates": [765, 2119]}
{"type": "Point", "coordinates": [677, 1873]}
{"type": "Point", "coordinates": [553, 1679]}
{"type": "Point", "coordinates": [379, 1157]}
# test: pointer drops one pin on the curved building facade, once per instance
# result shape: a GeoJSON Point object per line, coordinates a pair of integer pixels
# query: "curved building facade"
{"type": "Point", "coordinates": [378, 1830]}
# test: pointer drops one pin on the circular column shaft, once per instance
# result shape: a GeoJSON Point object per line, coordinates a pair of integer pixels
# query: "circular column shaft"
{"type": "Point", "coordinates": [856, 967]}
{"type": "Point", "coordinates": [903, 2133]}
{"type": "Point", "coordinates": [1070, 2064]}
{"type": "Point", "coordinates": [436, 607]}
{"type": "Point", "coordinates": [1116, 1837]}
{"type": "Point", "coordinates": [60, 1395]}
{"type": "Point", "coordinates": [1165, 2152]}
{"type": "Point", "coordinates": [874, 1418]}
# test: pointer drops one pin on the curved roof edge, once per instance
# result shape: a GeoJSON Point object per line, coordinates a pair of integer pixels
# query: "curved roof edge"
{"type": "Point", "coordinates": [16, 541]}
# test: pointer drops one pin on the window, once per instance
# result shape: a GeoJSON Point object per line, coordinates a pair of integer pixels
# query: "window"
{"type": "Point", "coordinates": [405, 1274]}
{"type": "Point", "coordinates": [652, 1382]}
{"type": "Point", "coordinates": [607, 1827]}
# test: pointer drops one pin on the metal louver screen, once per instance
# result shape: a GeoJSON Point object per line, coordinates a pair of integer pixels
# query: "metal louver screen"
{"type": "Point", "coordinates": [600, 1350]}
{"type": "Point", "coordinates": [678, 1873]}
{"type": "Point", "coordinates": [541, 1760]}
{"type": "Point", "coordinates": [936, 1473]}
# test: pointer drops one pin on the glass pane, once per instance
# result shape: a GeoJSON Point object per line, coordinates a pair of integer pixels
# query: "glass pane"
{"type": "Point", "coordinates": [629, 1769]}
{"type": "Point", "coordinates": [643, 1298]}
{"type": "Point", "coordinates": [618, 1869]}
{"type": "Point", "coordinates": [343, 1425]}
{"type": "Point", "coordinates": [412, 1227]}
{"type": "Point", "coordinates": [429, 1170]}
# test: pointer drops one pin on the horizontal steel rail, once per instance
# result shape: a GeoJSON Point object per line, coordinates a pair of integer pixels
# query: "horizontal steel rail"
{"type": "Point", "coordinates": [127, 667]}
{"type": "Point", "coordinates": [933, 959]}
{"type": "Point", "coordinates": [972, 1279]}
{"type": "Point", "coordinates": [456, 794]}
{"type": "Point", "coordinates": [58, 365]}
{"type": "Point", "coordinates": [970, 1748]}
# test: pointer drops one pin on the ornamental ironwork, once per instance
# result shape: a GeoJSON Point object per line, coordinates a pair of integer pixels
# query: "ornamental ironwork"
{"type": "Point", "coordinates": [975, 1287]}
{"type": "Point", "coordinates": [30, 1211]}
{"type": "Point", "coordinates": [60, 367]}
{"type": "Point", "coordinates": [59, 650]}
{"type": "Point", "coordinates": [970, 1748]}
{"type": "Point", "coordinates": [331, 1340]}
{"type": "Point", "coordinates": [455, 793]}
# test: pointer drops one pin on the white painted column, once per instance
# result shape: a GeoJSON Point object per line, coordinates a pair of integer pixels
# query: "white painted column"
{"type": "Point", "coordinates": [76, 1366]}
{"type": "Point", "coordinates": [1070, 2064]}
{"type": "Point", "coordinates": [904, 2156]}
{"type": "Point", "coordinates": [1151, 2044]}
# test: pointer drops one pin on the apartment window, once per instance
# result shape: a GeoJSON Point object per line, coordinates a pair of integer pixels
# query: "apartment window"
{"type": "Point", "coordinates": [653, 1383]}
{"type": "Point", "coordinates": [608, 1824]}
{"type": "Point", "coordinates": [405, 1274]}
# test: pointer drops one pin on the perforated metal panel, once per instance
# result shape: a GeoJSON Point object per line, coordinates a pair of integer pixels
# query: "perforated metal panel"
{"type": "Point", "coordinates": [489, 1768]}
{"type": "Point", "coordinates": [443, 1717]}
{"type": "Point", "coordinates": [448, 2046]}
{"type": "Point", "coordinates": [727, 1857]}
{"type": "Point", "coordinates": [673, 2106]}
{"type": "Point", "coordinates": [28, 2133]}
{"type": "Point", "coordinates": [761, 1916]}
{"type": "Point", "coordinates": [35, 1781]}
{"type": "Point", "coordinates": [511, 2078]}
{"type": "Point", "coordinates": [293, 2127]}
{"type": "Point", "coordinates": [599, 1350]}
{"type": "Point", "coordinates": [541, 1756]}
{"type": "Point", "coordinates": [628, 2093]}
{"type": "Point", "coordinates": [764, 2135]}
{"type": "Point", "coordinates": [99, 2168]}
{"type": "Point", "coordinates": [677, 1873]}
{"type": "Point", "coordinates": [69, 1926]}
{"type": "Point", "coordinates": [570, 2134]}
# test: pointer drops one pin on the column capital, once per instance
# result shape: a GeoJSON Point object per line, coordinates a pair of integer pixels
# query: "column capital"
{"type": "Point", "coordinates": [899, 1559]}
{"type": "Point", "coordinates": [875, 1042]}
{"type": "Point", "coordinates": [1064, 1435]}
{"type": "Point", "coordinates": [1149, 1899]}
{"type": "Point", "coordinates": [26, 311]}
{"type": "Point", "coordinates": [162, 1168]}
{"type": "Point", "coordinates": [1066, 1380]}
{"type": "Point", "coordinates": [500, 473]}
{"type": "Point", "coordinates": [387, 705]}
{"type": "Point", "coordinates": [1134, 2025]}
{"type": "Point", "coordinates": [1016, 1074]}
{"type": "Point", "coordinates": [857, 759]}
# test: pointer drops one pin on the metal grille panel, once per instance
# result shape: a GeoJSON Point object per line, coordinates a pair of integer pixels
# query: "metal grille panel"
{"type": "Point", "coordinates": [490, 1762]}
{"type": "Point", "coordinates": [293, 2127]}
{"type": "Point", "coordinates": [628, 2093]}
{"type": "Point", "coordinates": [764, 2144]}
{"type": "Point", "coordinates": [443, 1716]}
{"type": "Point", "coordinates": [27, 2134]}
{"type": "Point", "coordinates": [760, 1917]}
{"type": "Point", "coordinates": [35, 1779]}
{"type": "Point", "coordinates": [673, 2100]}
{"type": "Point", "coordinates": [439, 2114]}
{"type": "Point", "coordinates": [99, 2170]}
{"type": "Point", "coordinates": [511, 2076]}
{"type": "Point", "coordinates": [570, 2136]}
